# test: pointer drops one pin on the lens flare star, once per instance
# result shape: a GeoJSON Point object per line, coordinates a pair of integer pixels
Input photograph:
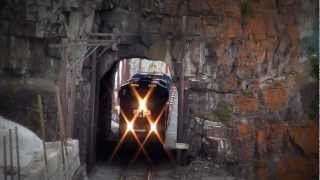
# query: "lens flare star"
{"type": "Point", "coordinates": [153, 124]}
{"type": "Point", "coordinates": [130, 124]}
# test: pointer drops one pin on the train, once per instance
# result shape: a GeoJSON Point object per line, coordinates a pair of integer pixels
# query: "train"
{"type": "Point", "coordinates": [144, 105]}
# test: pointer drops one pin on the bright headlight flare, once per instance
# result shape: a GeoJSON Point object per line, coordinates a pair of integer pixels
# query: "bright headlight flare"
{"type": "Point", "coordinates": [142, 105]}
{"type": "Point", "coordinates": [153, 127]}
{"type": "Point", "coordinates": [130, 126]}
{"type": "Point", "coordinates": [136, 114]}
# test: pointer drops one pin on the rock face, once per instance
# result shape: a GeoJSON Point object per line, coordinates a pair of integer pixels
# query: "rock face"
{"type": "Point", "coordinates": [248, 64]}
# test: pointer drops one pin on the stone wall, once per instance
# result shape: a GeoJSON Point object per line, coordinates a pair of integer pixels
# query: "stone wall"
{"type": "Point", "coordinates": [28, 66]}
{"type": "Point", "coordinates": [251, 67]}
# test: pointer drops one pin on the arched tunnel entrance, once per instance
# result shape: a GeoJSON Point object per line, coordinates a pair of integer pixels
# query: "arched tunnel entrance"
{"type": "Point", "coordinates": [146, 149]}
{"type": "Point", "coordinates": [94, 97]}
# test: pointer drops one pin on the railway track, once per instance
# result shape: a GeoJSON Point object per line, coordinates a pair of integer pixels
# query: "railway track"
{"type": "Point", "coordinates": [147, 176]}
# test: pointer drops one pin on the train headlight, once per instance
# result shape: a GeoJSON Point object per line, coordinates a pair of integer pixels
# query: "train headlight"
{"type": "Point", "coordinates": [130, 126]}
{"type": "Point", "coordinates": [153, 127]}
{"type": "Point", "coordinates": [142, 105]}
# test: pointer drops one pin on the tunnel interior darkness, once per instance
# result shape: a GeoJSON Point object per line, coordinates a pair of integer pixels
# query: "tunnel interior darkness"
{"type": "Point", "coordinates": [106, 140]}
{"type": "Point", "coordinates": [103, 146]}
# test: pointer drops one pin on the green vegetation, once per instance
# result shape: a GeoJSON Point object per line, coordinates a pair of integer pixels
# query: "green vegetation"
{"type": "Point", "coordinates": [32, 119]}
{"type": "Point", "coordinates": [313, 56]}
{"type": "Point", "coordinates": [247, 93]}
{"type": "Point", "coordinates": [312, 115]}
{"type": "Point", "coordinates": [224, 111]}
{"type": "Point", "coordinates": [246, 9]}
{"type": "Point", "coordinates": [206, 115]}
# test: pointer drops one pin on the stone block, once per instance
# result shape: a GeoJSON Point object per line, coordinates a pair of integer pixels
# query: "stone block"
{"type": "Point", "coordinates": [291, 167]}
{"type": "Point", "coordinates": [246, 104]}
{"type": "Point", "coordinates": [158, 50]}
{"type": "Point", "coordinates": [275, 97]}
{"type": "Point", "coordinates": [170, 25]}
{"type": "Point", "coordinates": [233, 28]}
{"type": "Point", "coordinates": [230, 83]}
{"type": "Point", "coordinates": [277, 136]}
{"type": "Point", "coordinates": [306, 137]}
{"type": "Point", "coordinates": [293, 32]}
{"type": "Point", "coordinates": [261, 142]}
{"type": "Point", "coordinates": [244, 129]}
{"type": "Point", "coordinates": [256, 26]}
{"type": "Point", "coordinates": [262, 172]}
{"type": "Point", "coordinates": [233, 10]}
{"type": "Point", "coordinates": [199, 7]}
{"type": "Point", "coordinates": [213, 20]}
{"type": "Point", "coordinates": [23, 28]}
{"type": "Point", "coordinates": [194, 25]}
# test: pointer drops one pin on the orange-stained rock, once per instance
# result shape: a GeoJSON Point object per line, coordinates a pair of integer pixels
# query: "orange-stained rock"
{"type": "Point", "coordinates": [261, 172]}
{"type": "Point", "coordinates": [256, 26]}
{"type": "Point", "coordinates": [291, 167]}
{"type": "Point", "coordinates": [293, 32]}
{"type": "Point", "coordinates": [261, 142]}
{"type": "Point", "coordinates": [246, 142]}
{"type": "Point", "coordinates": [254, 86]}
{"type": "Point", "coordinates": [306, 138]}
{"type": "Point", "coordinates": [275, 97]}
{"type": "Point", "coordinates": [169, 25]}
{"type": "Point", "coordinates": [244, 129]}
{"type": "Point", "coordinates": [277, 136]}
{"type": "Point", "coordinates": [232, 10]}
{"type": "Point", "coordinates": [245, 104]}
{"type": "Point", "coordinates": [233, 28]}
{"type": "Point", "coordinates": [231, 83]}
{"type": "Point", "coordinates": [268, 44]}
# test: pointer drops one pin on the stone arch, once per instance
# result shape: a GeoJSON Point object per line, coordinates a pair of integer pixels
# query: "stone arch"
{"type": "Point", "coordinates": [88, 91]}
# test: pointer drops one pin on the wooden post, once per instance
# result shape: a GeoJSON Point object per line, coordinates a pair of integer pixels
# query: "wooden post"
{"type": "Point", "coordinates": [18, 153]}
{"type": "Point", "coordinates": [62, 84]}
{"type": "Point", "coordinates": [11, 154]}
{"type": "Point", "coordinates": [5, 157]}
{"type": "Point", "coordinates": [72, 98]}
{"type": "Point", "coordinates": [62, 99]}
{"type": "Point", "coordinates": [61, 125]}
{"type": "Point", "coordinates": [43, 131]}
{"type": "Point", "coordinates": [69, 89]}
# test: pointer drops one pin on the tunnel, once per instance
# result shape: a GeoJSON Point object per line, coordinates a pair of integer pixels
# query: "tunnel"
{"type": "Point", "coordinates": [107, 102]}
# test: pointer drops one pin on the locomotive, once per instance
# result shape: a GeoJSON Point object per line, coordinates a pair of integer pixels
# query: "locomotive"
{"type": "Point", "coordinates": [144, 104]}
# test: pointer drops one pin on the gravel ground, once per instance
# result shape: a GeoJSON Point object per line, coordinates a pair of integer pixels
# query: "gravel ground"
{"type": "Point", "coordinates": [196, 170]}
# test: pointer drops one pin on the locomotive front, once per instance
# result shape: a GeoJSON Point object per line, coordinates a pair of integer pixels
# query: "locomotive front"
{"type": "Point", "coordinates": [144, 105]}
